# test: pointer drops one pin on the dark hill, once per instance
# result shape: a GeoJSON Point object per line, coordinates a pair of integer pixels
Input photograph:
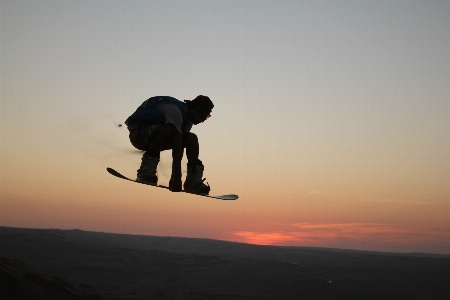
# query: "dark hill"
{"type": "Point", "coordinates": [145, 267]}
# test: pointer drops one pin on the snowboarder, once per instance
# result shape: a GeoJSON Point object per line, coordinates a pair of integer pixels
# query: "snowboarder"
{"type": "Point", "coordinates": [163, 123]}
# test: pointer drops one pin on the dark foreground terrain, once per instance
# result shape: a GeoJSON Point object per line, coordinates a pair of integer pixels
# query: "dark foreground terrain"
{"type": "Point", "coordinates": [73, 264]}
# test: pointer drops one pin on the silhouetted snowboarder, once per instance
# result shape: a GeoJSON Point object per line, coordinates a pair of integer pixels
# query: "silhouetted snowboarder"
{"type": "Point", "coordinates": [162, 123]}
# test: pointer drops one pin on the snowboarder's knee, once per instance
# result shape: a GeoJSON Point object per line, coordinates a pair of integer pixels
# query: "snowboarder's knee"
{"type": "Point", "coordinates": [190, 138]}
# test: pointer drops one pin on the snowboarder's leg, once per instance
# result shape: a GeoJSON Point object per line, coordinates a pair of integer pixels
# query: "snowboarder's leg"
{"type": "Point", "coordinates": [190, 142]}
{"type": "Point", "coordinates": [154, 139]}
{"type": "Point", "coordinates": [159, 141]}
{"type": "Point", "coordinates": [147, 171]}
{"type": "Point", "coordinates": [194, 178]}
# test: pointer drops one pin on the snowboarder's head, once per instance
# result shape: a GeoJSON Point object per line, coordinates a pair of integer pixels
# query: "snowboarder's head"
{"type": "Point", "coordinates": [199, 109]}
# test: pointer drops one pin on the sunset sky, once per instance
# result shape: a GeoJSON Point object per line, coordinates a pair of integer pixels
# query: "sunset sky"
{"type": "Point", "coordinates": [331, 119]}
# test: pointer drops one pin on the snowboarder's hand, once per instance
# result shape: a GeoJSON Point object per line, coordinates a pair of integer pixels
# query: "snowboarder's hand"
{"type": "Point", "coordinates": [175, 184]}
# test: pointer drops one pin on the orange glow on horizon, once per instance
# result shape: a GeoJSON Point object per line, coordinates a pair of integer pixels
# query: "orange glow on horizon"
{"type": "Point", "coordinates": [329, 234]}
{"type": "Point", "coordinates": [268, 238]}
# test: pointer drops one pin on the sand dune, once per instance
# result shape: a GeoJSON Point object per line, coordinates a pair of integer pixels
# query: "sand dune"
{"type": "Point", "coordinates": [20, 281]}
{"type": "Point", "coordinates": [90, 265]}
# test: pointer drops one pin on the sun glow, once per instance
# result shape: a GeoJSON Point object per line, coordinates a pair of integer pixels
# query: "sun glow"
{"type": "Point", "coordinates": [327, 234]}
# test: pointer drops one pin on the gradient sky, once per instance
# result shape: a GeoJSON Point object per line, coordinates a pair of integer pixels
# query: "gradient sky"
{"type": "Point", "coordinates": [331, 118]}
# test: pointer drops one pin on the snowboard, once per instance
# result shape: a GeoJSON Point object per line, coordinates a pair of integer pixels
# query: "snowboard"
{"type": "Point", "coordinates": [222, 197]}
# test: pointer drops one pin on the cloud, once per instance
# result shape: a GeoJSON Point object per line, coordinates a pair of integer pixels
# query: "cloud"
{"type": "Point", "coordinates": [410, 202]}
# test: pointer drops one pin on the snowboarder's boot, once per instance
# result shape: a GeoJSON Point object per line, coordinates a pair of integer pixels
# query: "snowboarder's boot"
{"type": "Point", "coordinates": [147, 172]}
{"type": "Point", "coordinates": [194, 181]}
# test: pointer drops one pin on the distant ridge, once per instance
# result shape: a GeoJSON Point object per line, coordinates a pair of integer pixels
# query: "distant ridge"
{"type": "Point", "coordinates": [189, 245]}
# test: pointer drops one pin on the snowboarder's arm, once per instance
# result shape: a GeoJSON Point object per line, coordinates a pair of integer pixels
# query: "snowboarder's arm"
{"type": "Point", "coordinates": [177, 155]}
